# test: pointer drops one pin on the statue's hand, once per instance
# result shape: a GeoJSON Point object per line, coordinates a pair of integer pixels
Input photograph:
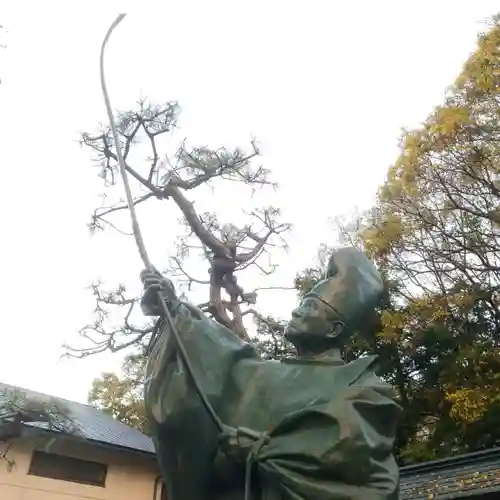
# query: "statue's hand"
{"type": "Point", "coordinates": [152, 279]}
{"type": "Point", "coordinates": [155, 282]}
{"type": "Point", "coordinates": [237, 443]}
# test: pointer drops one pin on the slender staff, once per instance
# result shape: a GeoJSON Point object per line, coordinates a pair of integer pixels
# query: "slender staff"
{"type": "Point", "coordinates": [140, 241]}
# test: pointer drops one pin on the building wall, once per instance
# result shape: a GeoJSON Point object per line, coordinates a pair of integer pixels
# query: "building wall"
{"type": "Point", "coordinates": [128, 477]}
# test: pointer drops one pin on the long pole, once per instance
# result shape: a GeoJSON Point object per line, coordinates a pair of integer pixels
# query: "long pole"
{"type": "Point", "coordinates": [140, 241]}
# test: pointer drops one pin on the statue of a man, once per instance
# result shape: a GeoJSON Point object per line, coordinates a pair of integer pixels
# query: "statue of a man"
{"type": "Point", "coordinates": [325, 429]}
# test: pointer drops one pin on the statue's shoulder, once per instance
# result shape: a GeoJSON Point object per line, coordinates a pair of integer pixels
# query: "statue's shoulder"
{"type": "Point", "coordinates": [361, 371]}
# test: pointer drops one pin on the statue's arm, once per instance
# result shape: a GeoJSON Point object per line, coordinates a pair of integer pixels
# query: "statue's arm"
{"type": "Point", "coordinates": [378, 417]}
{"type": "Point", "coordinates": [212, 347]}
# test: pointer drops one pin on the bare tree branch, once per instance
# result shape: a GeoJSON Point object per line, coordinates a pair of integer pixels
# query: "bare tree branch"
{"type": "Point", "coordinates": [165, 177]}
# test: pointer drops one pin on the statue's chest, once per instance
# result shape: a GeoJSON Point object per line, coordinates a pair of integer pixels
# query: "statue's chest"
{"type": "Point", "coordinates": [274, 392]}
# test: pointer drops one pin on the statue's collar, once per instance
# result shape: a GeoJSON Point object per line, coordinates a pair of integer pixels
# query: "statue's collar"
{"type": "Point", "coordinates": [314, 361]}
{"type": "Point", "coordinates": [325, 358]}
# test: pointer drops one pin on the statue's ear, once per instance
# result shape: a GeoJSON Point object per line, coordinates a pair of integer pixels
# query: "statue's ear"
{"type": "Point", "coordinates": [337, 328]}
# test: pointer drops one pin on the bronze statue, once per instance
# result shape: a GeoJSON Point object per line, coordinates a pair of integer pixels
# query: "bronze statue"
{"type": "Point", "coordinates": [323, 429]}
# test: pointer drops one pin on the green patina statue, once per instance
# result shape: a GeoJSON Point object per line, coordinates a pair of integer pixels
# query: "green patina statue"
{"type": "Point", "coordinates": [326, 429]}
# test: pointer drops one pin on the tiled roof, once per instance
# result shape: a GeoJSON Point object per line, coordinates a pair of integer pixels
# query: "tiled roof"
{"type": "Point", "coordinates": [91, 423]}
{"type": "Point", "coordinates": [457, 477]}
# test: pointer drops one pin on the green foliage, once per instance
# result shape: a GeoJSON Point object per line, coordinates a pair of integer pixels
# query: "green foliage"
{"type": "Point", "coordinates": [122, 396]}
{"type": "Point", "coordinates": [305, 280]}
{"type": "Point", "coordinates": [270, 341]}
{"type": "Point", "coordinates": [435, 235]}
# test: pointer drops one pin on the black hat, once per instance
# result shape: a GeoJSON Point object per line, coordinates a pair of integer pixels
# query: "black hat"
{"type": "Point", "coordinates": [352, 287]}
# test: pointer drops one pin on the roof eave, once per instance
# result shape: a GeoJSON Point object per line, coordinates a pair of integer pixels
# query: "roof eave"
{"type": "Point", "coordinates": [451, 462]}
{"type": "Point", "coordinates": [100, 444]}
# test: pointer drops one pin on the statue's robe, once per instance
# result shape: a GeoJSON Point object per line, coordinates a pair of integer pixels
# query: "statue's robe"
{"type": "Point", "coordinates": [331, 426]}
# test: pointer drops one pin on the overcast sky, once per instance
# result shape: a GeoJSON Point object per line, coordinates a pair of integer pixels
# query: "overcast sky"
{"type": "Point", "coordinates": [325, 86]}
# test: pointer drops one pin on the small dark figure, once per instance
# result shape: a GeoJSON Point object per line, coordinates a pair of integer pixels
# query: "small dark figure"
{"type": "Point", "coordinates": [222, 273]}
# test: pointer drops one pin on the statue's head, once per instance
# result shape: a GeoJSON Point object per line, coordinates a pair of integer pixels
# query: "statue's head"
{"type": "Point", "coordinates": [336, 306]}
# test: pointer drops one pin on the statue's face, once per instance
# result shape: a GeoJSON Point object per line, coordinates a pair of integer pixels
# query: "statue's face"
{"type": "Point", "coordinates": [312, 317]}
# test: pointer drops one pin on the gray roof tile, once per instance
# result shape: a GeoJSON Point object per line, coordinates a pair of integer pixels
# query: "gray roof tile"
{"type": "Point", "coordinates": [455, 477]}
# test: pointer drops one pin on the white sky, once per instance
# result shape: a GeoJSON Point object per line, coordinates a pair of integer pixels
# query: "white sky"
{"type": "Point", "coordinates": [325, 86]}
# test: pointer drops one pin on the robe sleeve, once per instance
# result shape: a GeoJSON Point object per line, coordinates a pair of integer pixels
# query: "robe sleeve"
{"type": "Point", "coordinates": [185, 436]}
{"type": "Point", "coordinates": [213, 350]}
